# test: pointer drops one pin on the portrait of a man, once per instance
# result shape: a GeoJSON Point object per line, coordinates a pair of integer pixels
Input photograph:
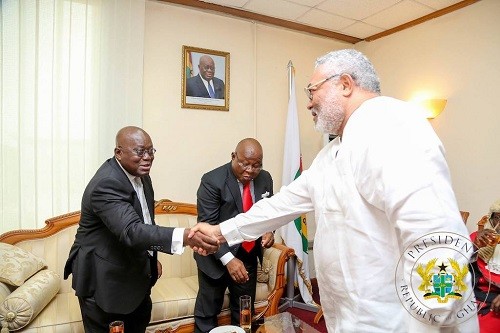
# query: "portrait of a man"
{"type": "Point", "coordinates": [205, 84]}
{"type": "Point", "coordinates": [205, 79]}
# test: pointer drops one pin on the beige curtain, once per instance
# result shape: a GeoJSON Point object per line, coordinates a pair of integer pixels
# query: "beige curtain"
{"type": "Point", "coordinates": [71, 76]}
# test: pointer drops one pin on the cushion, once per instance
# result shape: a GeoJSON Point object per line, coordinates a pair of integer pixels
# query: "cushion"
{"type": "Point", "coordinates": [26, 302]}
{"type": "Point", "coordinates": [263, 271]}
{"type": "Point", "coordinates": [5, 291]}
{"type": "Point", "coordinates": [17, 265]}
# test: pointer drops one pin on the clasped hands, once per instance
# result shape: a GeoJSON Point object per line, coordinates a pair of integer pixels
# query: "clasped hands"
{"type": "Point", "coordinates": [205, 238]}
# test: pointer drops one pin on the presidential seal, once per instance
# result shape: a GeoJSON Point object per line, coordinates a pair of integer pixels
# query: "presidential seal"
{"type": "Point", "coordinates": [433, 279]}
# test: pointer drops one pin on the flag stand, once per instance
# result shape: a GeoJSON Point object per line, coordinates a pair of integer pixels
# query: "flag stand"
{"type": "Point", "coordinates": [290, 300]}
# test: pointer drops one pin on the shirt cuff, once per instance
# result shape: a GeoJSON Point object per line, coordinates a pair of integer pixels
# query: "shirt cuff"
{"type": "Point", "coordinates": [177, 241]}
{"type": "Point", "coordinates": [230, 232]}
{"type": "Point", "coordinates": [226, 258]}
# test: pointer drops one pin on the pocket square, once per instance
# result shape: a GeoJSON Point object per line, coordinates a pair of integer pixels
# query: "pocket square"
{"type": "Point", "coordinates": [265, 195]}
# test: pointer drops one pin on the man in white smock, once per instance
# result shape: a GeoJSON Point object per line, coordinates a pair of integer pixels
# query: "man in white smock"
{"type": "Point", "coordinates": [376, 188]}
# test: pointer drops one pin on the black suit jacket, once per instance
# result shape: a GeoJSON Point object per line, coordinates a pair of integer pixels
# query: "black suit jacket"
{"type": "Point", "coordinates": [219, 199]}
{"type": "Point", "coordinates": [196, 88]}
{"type": "Point", "coordinates": [109, 259]}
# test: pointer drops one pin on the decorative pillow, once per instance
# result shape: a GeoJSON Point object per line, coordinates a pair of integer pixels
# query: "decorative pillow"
{"type": "Point", "coordinates": [27, 301]}
{"type": "Point", "coordinates": [263, 271]}
{"type": "Point", "coordinates": [4, 291]}
{"type": "Point", "coordinates": [17, 265]}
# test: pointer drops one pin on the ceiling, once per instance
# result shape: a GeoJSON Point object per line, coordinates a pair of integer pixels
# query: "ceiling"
{"type": "Point", "coordinates": [347, 20]}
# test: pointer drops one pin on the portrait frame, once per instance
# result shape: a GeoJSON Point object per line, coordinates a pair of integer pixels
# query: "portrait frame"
{"type": "Point", "coordinates": [194, 91]}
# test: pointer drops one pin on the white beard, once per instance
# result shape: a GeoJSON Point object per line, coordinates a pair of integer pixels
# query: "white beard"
{"type": "Point", "coordinates": [329, 114]}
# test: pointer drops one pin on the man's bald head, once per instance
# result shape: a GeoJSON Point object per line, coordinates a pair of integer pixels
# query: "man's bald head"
{"type": "Point", "coordinates": [206, 67]}
{"type": "Point", "coordinates": [134, 150]}
{"type": "Point", "coordinates": [246, 160]}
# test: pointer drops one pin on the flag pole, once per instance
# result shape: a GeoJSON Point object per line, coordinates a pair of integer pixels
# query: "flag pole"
{"type": "Point", "coordinates": [290, 267]}
{"type": "Point", "coordinates": [290, 299]}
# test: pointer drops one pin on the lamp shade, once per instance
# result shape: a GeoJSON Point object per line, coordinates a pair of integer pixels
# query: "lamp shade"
{"type": "Point", "coordinates": [433, 107]}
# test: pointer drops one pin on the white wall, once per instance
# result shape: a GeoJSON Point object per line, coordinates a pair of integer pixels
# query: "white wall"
{"type": "Point", "coordinates": [456, 57]}
{"type": "Point", "coordinates": [453, 57]}
{"type": "Point", "coordinates": [191, 142]}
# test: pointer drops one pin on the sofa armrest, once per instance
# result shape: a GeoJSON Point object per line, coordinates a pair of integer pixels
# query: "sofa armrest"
{"type": "Point", "coordinates": [20, 307]}
{"type": "Point", "coordinates": [278, 255]}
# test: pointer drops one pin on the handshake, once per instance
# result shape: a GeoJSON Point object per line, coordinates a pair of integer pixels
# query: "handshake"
{"type": "Point", "coordinates": [203, 238]}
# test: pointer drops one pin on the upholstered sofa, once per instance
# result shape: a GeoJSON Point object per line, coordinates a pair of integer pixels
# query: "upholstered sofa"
{"type": "Point", "coordinates": [45, 303]}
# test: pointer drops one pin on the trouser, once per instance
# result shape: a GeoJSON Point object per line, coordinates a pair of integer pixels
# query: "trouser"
{"type": "Point", "coordinates": [96, 320]}
{"type": "Point", "coordinates": [210, 298]}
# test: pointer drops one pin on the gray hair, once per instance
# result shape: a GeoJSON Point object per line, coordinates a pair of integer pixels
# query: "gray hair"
{"type": "Point", "coordinates": [495, 207]}
{"type": "Point", "coordinates": [354, 63]}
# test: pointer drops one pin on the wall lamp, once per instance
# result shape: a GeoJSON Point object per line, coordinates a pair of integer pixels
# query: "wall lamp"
{"type": "Point", "coordinates": [432, 107]}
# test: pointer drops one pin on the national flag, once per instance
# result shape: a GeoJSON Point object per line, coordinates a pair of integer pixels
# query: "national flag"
{"type": "Point", "coordinates": [294, 234]}
{"type": "Point", "coordinates": [189, 65]}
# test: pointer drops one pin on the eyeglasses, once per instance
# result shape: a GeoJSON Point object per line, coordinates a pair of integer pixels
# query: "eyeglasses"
{"type": "Point", "coordinates": [141, 151]}
{"type": "Point", "coordinates": [246, 166]}
{"type": "Point", "coordinates": [311, 87]}
{"type": "Point", "coordinates": [495, 218]}
{"type": "Point", "coordinates": [208, 68]}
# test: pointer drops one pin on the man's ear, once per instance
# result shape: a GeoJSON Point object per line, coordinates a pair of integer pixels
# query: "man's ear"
{"type": "Point", "coordinates": [347, 84]}
{"type": "Point", "coordinates": [118, 154]}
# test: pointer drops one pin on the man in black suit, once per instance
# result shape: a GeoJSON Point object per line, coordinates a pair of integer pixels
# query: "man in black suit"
{"type": "Point", "coordinates": [114, 257]}
{"type": "Point", "coordinates": [221, 195]}
{"type": "Point", "coordinates": [205, 84]}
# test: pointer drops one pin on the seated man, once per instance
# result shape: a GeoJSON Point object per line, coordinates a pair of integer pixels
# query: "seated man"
{"type": "Point", "coordinates": [486, 270]}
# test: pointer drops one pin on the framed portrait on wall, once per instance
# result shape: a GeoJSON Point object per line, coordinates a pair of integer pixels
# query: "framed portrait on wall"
{"type": "Point", "coordinates": [205, 79]}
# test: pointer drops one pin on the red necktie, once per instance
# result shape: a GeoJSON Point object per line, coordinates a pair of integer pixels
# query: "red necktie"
{"type": "Point", "coordinates": [247, 203]}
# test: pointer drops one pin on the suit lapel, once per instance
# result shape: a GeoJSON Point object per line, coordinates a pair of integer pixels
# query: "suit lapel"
{"type": "Point", "coordinates": [125, 181]}
{"type": "Point", "coordinates": [234, 188]}
{"type": "Point", "coordinates": [149, 194]}
{"type": "Point", "coordinates": [201, 86]}
{"type": "Point", "coordinates": [259, 187]}
{"type": "Point", "coordinates": [218, 89]}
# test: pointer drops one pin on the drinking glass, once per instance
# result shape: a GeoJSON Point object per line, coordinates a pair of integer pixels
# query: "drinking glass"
{"type": "Point", "coordinates": [116, 327]}
{"type": "Point", "coordinates": [246, 313]}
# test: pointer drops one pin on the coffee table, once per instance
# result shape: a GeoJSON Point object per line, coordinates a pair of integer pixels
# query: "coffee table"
{"type": "Point", "coordinates": [285, 322]}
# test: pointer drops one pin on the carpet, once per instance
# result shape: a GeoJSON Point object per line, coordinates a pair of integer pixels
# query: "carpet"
{"type": "Point", "coordinates": [308, 317]}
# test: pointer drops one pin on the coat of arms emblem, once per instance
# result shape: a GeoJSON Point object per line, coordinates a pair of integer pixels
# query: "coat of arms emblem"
{"type": "Point", "coordinates": [442, 285]}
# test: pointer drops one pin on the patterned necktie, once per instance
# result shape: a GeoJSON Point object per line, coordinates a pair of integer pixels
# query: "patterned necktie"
{"type": "Point", "coordinates": [211, 91]}
{"type": "Point", "coordinates": [247, 203]}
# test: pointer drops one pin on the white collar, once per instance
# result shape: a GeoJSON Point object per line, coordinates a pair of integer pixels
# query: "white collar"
{"type": "Point", "coordinates": [130, 177]}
